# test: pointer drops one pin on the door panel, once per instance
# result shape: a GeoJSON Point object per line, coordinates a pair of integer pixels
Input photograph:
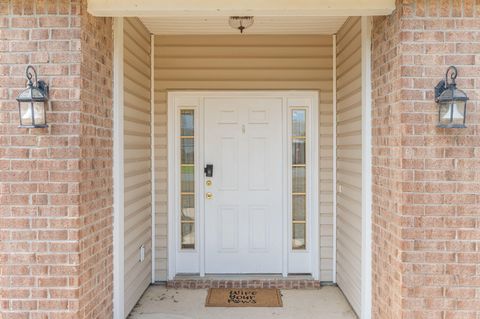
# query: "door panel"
{"type": "Point", "coordinates": [228, 230]}
{"type": "Point", "coordinates": [243, 219]}
{"type": "Point", "coordinates": [257, 163]}
{"type": "Point", "coordinates": [228, 163]}
{"type": "Point", "coordinates": [258, 227]}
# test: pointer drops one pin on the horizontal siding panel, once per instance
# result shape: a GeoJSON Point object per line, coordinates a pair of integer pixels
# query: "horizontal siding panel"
{"type": "Point", "coordinates": [349, 31]}
{"type": "Point", "coordinates": [351, 74]}
{"type": "Point", "coordinates": [243, 75]}
{"type": "Point", "coordinates": [351, 101]}
{"type": "Point", "coordinates": [351, 265]}
{"type": "Point", "coordinates": [141, 194]}
{"type": "Point", "coordinates": [244, 51]}
{"type": "Point", "coordinates": [137, 57]}
{"type": "Point", "coordinates": [349, 161]}
{"type": "Point", "coordinates": [137, 163]}
{"type": "Point", "coordinates": [132, 261]}
{"type": "Point", "coordinates": [131, 59]}
{"type": "Point", "coordinates": [134, 40]}
{"type": "Point", "coordinates": [134, 127]}
{"type": "Point", "coordinates": [136, 88]}
{"type": "Point", "coordinates": [136, 141]}
{"type": "Point", "coordinates": [138, 291]}
{"type": "Point", "coordinates": [281, 84]}
{"type": "Point", "coordinates": [131, 110]}
{"type": "Point", "coordinates": [348, 58]}
{"type": "Point", "coordinates": [345, 152]}
{"type": "Point", "coordinates": [355, 126]}
{"type": "Point", "coordinates": [268, 63]}
{"type": "Point", "coordinates": [135, 218]}
{"type": "Point", "coordinates": [138, 235]}
{"type": "Point", "coordinates": [348, 89]}
{"type": "Point", "coordinates": [236, 41]}
{"type": "Point", "coordinates": [136, 28]}
{"type": "Point", "coordinates": [137, 79]}
{"type": "Point", "coordinates": [351, 139]}
{"type": "Point", "coordinates": [352, 166]}
{"type": "Point", "coordinates": [138, 275]}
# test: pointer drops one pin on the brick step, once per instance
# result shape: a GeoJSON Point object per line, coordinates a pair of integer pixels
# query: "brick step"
{"type": "Point", "coordinates": [244, 281]}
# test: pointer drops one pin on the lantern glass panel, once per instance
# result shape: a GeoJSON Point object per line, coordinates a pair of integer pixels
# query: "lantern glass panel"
{"type": "Point", "coordinates": [39, 113]}
{"type": "Point", "coordinates": [452, 113]}
{"type": "Point", "coordinates": [26, 116]}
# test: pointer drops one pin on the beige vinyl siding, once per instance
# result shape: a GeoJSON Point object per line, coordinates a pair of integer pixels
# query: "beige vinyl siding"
{"type": "Point", "coordinates": [221, 62]}
{"type": "Point", "coordinates": [349, 161]}
{"type": "Point", "coordinates": [137, 162]}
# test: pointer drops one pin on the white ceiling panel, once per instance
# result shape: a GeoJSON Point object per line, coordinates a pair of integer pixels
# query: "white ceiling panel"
{"type": "Point", "coordinates": [261, 25]}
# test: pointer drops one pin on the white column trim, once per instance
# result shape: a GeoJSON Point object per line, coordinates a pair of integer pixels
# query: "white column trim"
{"type": "Point", "coordinates": [366, 300]}
{"type": "Point", "coordinates": [118, 177]}
{"type": "Point", "coordinates": [334, 159]}
{"type": "Point", "coordinates": [152, 146]}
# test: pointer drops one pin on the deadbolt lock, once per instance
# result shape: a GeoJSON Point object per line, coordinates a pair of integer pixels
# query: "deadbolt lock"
{"type": "Point", "coordinates": [209, 195]}
{"type": "Point", "coordinates": [208, 183]}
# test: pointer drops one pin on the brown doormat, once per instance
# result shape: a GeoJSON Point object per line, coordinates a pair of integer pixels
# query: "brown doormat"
{"type": "Point", "coordinates": [243, 297]}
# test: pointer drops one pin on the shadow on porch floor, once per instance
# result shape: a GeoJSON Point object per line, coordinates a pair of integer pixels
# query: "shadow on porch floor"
{"type": "Point", "coordinates": [159, 302]}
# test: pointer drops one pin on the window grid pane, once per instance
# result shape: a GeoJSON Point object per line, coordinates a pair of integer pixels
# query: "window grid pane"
{"type": "Point", "coordinates": [299, 179]}
{"type": "Point", "coordinates": [187, 179]}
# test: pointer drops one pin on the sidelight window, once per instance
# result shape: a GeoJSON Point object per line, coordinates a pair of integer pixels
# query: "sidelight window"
{"type": "Point", "coordinates": [187, 179]}
{"type": "Point", "coordinates": [299, 179]}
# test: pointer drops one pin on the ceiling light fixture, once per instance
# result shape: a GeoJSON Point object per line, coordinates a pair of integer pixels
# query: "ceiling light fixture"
{"type": "Point", "coordinates": [240, 22]}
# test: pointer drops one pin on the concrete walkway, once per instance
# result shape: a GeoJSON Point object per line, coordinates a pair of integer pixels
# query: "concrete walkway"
{"type": "Point", "coordinates": [159, 302]}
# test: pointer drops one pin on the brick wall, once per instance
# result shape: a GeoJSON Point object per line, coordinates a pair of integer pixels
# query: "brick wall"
{"type": "Point", "coordinates": [96, 185]}
{"type": "Point", "coordinates": [386, 167]}
{"type": "Point", "coordinates": [55, 183]}
{"type": "Point", "coordinates": [426, 180]}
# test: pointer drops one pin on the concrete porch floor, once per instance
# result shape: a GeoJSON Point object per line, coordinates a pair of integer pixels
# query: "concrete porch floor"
{"type": "Point", "coordinates": [159, 302]}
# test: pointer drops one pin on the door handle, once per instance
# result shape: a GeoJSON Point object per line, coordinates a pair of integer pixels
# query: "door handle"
{"type": "Point", "coordinates": [208, 170]}
{"type": "Point", "coordinates": [209, 195]}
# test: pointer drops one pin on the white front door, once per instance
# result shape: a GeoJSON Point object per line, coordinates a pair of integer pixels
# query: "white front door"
{"type": "Point", "coordinates": [243, 204]}
{"type": "Point", "coordinates": [258, 212]}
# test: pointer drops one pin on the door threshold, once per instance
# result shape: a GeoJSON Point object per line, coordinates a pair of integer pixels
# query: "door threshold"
{"type": "Point", "coordinates": [193, 281]}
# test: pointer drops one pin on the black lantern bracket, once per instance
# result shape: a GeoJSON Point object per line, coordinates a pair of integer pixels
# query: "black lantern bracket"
{"type": "Point", "coordinates": [444, 84]}
{"type": "Point", "coordinates": [41, 85]}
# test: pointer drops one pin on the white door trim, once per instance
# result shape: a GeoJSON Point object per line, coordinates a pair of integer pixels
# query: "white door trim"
{"type": "Point", "coordinates": [197, 97]}
{"type": "Point", "coordinates": [118, 176]}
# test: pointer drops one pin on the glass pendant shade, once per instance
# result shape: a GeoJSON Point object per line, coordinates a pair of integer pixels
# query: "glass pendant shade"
{"type": "Point", "coordinates": [240, 22]}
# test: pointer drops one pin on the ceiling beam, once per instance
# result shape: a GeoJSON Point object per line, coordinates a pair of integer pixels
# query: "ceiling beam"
{"type": "Point", "coordinates": [179, 8]}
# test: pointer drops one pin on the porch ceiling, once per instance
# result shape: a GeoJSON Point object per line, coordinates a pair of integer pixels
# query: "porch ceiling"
{"type": "Point", "coordinates": [172, 8]}
{"type": "Point", "coordinates": [262, 25]}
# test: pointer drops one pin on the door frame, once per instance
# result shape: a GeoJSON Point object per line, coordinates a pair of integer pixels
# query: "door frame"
{"type": "Point", "coordinates": [195, 100]}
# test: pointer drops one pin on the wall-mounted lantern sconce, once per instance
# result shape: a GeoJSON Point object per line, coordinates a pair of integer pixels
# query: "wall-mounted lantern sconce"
{"type": "Point", "coordinates": [32, 102]}
{"type": "Point", "coordinates": [452, 102]}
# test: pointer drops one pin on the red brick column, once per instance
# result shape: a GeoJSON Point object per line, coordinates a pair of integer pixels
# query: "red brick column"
{"type": "Point", "coordinates": [426, 180]}
{"type": "Point", "coordinates": [386, 167]}
{"type": "Point", "coordinates": [56, 183]}
{"type": "Point", "coordinates": [96, 184]}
